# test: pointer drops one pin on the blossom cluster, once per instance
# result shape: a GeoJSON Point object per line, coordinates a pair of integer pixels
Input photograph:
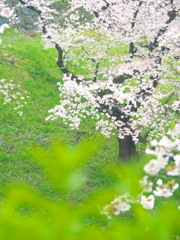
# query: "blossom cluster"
{"type": "Point", "coordinates": [80, 100]}
{"type": "Point", "coordinates": [7, 13]}
{"type": "Point", "coordinates": [162, 169]}
{"type": "Point", "coordinates": [12, 93]}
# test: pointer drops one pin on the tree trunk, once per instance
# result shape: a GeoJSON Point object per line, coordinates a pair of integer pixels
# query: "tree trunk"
{"type": "Point", "coordinates": [127, 148]}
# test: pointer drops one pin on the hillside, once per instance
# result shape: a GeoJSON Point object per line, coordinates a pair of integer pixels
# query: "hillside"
{"type": "Point", "coordinates": [34, 69]}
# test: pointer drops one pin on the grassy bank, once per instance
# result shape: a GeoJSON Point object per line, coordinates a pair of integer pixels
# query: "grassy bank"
{"type": "Point", "coordinates": [23, 60]}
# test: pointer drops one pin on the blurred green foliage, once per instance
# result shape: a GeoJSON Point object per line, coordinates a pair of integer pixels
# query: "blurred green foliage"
{"type": "Point", "coordinates": [27, 214]}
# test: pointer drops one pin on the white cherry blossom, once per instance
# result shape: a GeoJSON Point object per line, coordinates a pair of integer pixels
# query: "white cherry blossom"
{"type": "Point", "coordinates": [170, 162]}
{"type": "Point", "coordinates": [147, 202]}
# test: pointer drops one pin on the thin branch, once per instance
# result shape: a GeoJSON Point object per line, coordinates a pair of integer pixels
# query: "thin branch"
{"type": "Point", "coordinates": [132, 49]}
{"type": "Point", "coordinates": [96, 71]}
{"type": "Point", "coordinates": [166, 102]}
{"type": "Point", "coordinates": [172, 15]}
{"type": "Point", "coordinates": [169, 97]}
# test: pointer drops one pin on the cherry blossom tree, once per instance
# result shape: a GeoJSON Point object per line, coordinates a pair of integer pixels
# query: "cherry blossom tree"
{"type": "Point", "coordinates": [120, 64]}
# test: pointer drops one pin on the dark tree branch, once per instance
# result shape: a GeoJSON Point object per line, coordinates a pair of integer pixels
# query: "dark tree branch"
{"type": "Point", "coordinates": [132, 48]}
{"type": "Point", "coordinates": [135, 14]}
{"type": "Point", "coordinates": [172, 15]}
{"type": "Point", "coordinates": [60, 64]}
{"type": "Point", "coordinates": [120, 79]}
{"type": "Point", "coordinates": [96, 72]}
{"type": "Point", "coordinates": [103, 8]}
{"type": "Point", "coordinates": [30, 7]}
{"type": "Point", "coordinates": [60, 61]}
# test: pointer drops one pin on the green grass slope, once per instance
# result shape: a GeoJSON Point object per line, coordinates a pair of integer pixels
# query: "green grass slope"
{"type": "Point", "coordinates": [23, 60]}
